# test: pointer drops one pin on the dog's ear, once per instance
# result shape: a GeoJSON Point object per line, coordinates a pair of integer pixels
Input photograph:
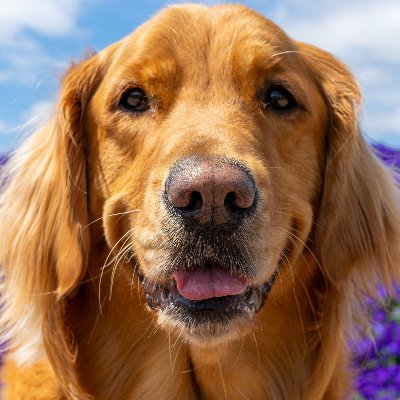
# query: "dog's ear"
{"type": "Point", "coordinates": [43, 210]}
{"type": "Point", "coordinates": [358, 227]}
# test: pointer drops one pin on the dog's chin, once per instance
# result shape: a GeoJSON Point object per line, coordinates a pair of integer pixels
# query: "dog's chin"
{"type": "Point", "coordinates": [208, 321]}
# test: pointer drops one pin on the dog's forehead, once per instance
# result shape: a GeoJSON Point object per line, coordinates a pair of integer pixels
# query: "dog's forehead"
{"type": "Point", "coordinates": [194, 34]}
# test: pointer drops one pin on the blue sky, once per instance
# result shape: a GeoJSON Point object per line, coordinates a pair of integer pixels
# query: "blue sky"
{"type": "Point", "coordinates": [39, 38]}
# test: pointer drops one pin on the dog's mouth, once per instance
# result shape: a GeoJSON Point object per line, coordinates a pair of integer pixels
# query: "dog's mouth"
{"type": "Point", "coordinates": [207, 294]}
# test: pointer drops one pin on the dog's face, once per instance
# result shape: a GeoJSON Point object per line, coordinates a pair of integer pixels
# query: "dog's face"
{"type": "Point", "coordinates": [210, 137]}
{"type": "Point", "coordinates": [213, 167]}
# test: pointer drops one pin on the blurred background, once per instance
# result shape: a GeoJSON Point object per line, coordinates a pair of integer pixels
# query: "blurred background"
{"type": "Point", "coordinates": [38, 40]}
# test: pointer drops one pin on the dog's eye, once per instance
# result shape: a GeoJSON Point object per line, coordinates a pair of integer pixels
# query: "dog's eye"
{"type": "Point", "coordinates": [135, 100]}
{"type": "Point", "coordinates": [278, 98]}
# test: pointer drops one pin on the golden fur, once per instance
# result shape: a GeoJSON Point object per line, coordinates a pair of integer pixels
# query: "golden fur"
{"type": "Point", "coordinates": [82, 195]}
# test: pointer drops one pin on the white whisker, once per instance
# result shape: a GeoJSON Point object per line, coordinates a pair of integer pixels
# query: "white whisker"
{"type": "Point", "coordinates": [111, 215]}
{"type": "Point", "coordinates": [106, 264]}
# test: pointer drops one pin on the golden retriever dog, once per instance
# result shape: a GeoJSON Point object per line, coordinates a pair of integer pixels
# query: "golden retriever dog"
{"type": "Point", "coordinates": [200, 219]}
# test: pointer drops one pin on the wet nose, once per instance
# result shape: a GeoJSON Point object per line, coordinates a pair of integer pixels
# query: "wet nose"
{"type": "Point", "coordinates": [211, 191]}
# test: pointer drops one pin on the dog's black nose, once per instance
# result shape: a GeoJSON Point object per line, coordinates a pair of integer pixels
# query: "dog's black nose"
{"type": "Point", "coordinates": [211, 191]}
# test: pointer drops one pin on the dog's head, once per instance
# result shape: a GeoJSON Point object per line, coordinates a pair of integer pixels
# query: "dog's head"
{"type": "Point", "coordinates": [217, 154]}
{"type": "Point", "coordinates": [211, 140]}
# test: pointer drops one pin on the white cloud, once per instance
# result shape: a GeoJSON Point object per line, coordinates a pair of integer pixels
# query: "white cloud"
{"type": "Point", "coordinates": [48, 17]}
{"type": "Point", "coordinates": [28, 66]}
{"type": "Point", "coordinates": [22, 57]}
{"type": "Point", "coordinates": [25, 62]}
{"type": "Point", "coordinates": [4, 76]}
{"type": "Point", "coordinates": [384, 124]}
{"type": "Point", "coordinates": [35, 117]}
{"type": "Point", "coordinates": [39, 112]}
{"type": "Point", "coordinates": [369, 74]}
{"type": "Point", "coordinates": [345, 28]}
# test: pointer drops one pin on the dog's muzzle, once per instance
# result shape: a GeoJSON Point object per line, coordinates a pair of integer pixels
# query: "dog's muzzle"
{"type": "Point", "coordinates": [211, 202]}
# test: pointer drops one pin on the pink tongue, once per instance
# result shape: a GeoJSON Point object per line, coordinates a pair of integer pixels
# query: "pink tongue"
{"type": "Point", "coordinates": [205, 283]}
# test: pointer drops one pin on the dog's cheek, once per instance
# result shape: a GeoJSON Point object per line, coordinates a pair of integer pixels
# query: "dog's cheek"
{"type": "Point", "coordinates": [116, 223]}
{"type": "Point", "coordinates": [285, 216]}
{"type": "Point", "coordinates": [148, 228]}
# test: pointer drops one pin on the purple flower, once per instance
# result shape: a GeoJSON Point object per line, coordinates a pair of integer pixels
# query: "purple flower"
{"type": "Point", "coordinates": [391, 157]}
{"type": "Point", "coordinates": [3, 159]}
{"type": "Point", "coordinates": [379, 363]}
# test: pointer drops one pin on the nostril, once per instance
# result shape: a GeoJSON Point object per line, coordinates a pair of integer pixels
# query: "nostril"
{"type": "Point", "coordinates": [195, 203]}
{"type": "Point", "coordinates": [230, 202]}
{"type": "Point", "coordinates": [234, 203]}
